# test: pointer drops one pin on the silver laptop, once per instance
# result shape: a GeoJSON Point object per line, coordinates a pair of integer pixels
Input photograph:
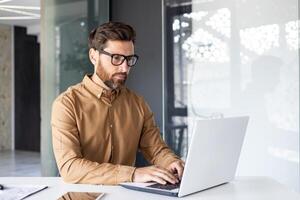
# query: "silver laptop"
{"type": "Point", "coordinates": [211, 161]}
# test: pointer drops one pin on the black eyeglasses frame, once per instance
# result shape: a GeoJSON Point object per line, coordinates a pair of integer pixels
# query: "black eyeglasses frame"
{"type": "Point", "coordinates": [124, 57]}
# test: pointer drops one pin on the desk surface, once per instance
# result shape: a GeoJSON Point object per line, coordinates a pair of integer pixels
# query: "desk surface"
{"type": "Point", "coordinates": [242, 188]}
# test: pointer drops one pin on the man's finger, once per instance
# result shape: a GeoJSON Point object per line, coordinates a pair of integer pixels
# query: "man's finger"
{"type": "Point", "coordinates": [169, 173]}
{"type": "Point", "coordinates": [157, 179]}
{"type": "Point", "coordinates": [179, 169]}
{"type": "Point", "coordinates": [182, 163]}
{"type": "Point", "coordinates": [165, 177]}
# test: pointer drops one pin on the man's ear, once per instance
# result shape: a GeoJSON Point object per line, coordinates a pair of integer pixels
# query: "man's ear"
{"type": "Point", "coordinates": [93, 55]}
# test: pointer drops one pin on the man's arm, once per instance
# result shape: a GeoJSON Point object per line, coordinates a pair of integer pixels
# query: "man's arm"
{"type": "Point", "coordinates": [154, 148]}
{"type": "Point", "coordinates": [66, 146]}
{"type": "Point", "coordinates": [165, 162]}
{"type": "Point", "coordinates": [152, 145]}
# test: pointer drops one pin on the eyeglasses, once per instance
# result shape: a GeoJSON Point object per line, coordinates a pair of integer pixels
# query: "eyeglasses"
{"type": "Point", "coordinates": [118, 59]}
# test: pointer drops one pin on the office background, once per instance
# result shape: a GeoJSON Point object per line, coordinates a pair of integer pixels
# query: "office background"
{"type": "Point", "coordinates": [199, 59]}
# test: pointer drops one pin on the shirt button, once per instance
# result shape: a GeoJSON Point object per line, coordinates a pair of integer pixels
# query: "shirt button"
{"type": "Point", "coordinates": [99, 95]}
{"type": "Point", "coordinates": [110, 126]}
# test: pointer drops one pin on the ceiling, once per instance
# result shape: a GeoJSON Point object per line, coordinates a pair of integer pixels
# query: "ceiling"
{"type": "Point", "coordinates": [21, 13]}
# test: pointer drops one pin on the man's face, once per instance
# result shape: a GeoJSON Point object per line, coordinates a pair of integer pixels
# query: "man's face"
{"type": "Point", "coordinates": [113, 76]}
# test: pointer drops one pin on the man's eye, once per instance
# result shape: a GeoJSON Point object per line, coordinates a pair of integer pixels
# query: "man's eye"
{"type": "Point", "coordinates": [117, 57]}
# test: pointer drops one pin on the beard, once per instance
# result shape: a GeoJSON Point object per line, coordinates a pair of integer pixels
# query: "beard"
{"type": "Point", "coordinates": [112, 82]}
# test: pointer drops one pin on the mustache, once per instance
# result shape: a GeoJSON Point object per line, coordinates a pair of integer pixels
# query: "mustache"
{"type": "Point", "coordinates": [120, 73]}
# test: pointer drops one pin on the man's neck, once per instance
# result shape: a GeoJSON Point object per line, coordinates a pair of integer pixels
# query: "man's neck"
{"type": "Point", "coordinates": [96, 79]}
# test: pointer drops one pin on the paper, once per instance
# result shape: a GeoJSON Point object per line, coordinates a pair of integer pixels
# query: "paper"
{"type": "Point", "coordinates": [18, 192]}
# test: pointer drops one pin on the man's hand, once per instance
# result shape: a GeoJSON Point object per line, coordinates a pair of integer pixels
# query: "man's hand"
{"type": "Point", "coordinates": [154, 173]}
{"type": "Point", "coordinates": [176, 167]}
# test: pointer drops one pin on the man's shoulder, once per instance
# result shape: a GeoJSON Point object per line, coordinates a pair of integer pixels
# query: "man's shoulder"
{"type": "Point", "coordinates": [70, 93]}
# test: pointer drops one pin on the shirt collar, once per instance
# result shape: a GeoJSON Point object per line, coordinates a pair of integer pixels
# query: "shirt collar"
{"type": "Point", "coordinates": [98, 90]}
{"type": "Point", "coordinates": [99, 81]}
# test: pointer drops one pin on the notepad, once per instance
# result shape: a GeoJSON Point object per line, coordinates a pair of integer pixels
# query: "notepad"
{"type": "Point", "coordinates": [18, 192]}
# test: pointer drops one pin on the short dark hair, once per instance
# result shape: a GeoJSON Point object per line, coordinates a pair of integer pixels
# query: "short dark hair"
{"type": "Point", "coordinates": [110, 31]}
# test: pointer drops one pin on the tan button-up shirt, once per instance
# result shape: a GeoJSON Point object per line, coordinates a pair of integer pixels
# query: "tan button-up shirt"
{"type": "Point", "coordinates": [96, 135]}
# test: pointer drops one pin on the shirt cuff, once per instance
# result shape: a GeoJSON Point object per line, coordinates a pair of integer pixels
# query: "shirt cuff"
{"type": "Point", "coordinates": [125, 173]}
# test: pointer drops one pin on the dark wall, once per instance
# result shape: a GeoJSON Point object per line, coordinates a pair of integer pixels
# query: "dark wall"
{"type": "Point", "coordinates": [27, 91]}
{"type": "Point", "coordinates": [146, 77]}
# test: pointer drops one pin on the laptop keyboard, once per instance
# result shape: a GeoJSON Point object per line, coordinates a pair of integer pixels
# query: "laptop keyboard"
{"type": "Point", "coordinates": [168, 186]}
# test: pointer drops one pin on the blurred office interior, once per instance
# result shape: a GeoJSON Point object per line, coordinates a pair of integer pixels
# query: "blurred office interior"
{"type": "Point", "coordinates": [199, 59]}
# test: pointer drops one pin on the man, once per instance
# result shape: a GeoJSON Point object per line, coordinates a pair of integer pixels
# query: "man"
{"type": "Point", "coordinates": [98, 125]}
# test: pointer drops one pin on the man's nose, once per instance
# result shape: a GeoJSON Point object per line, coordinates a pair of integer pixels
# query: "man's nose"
{"type": "Point", "coordinates": [124, 67]}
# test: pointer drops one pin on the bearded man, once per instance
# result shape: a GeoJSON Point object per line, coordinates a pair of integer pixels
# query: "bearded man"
{"type": "Point", "coordinates": [99, 124]}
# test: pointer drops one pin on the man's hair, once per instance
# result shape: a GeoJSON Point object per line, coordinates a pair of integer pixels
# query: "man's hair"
{"type": "Point", "coordinates": [110, 31]}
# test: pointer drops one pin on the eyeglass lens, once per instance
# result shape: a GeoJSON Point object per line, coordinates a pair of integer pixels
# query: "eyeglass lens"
{"type": "Point", "coordinates": [119, 59]}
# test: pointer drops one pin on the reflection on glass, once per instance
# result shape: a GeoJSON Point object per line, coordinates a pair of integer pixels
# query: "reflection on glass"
{"type": "Point", "coordinates": [65, 27]}
{"type": "Point", "coordinates": [260, 39]}
{"type": "Point", "coordinates": [223, 61]}
{"type": "Point", "coordinates": [202, 46]}
{"type": "Point", "coordinates": [221, 21]}
{"type": "Point", "coordinates": [72, 22]}
{"type": "Point", "coordinates": [292, 34]}
{"type": "Point", "coordinates": [292, 156]}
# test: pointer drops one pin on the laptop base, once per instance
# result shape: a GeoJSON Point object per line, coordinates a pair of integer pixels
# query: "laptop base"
{"type": "Point", "coordinates": [151, 190]}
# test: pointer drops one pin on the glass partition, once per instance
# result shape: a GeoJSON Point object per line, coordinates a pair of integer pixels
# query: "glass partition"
{"type": "Point", "coordinates": [233, 58]}
{"type": "Point", "coordinates": [64, 55]}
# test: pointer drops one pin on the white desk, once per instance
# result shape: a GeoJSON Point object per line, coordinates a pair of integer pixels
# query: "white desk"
{"type": "Point", "coordinates": [243, 188]}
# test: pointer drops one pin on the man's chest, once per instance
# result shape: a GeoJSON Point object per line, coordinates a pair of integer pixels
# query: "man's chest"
{"type": "Point", "coordinates": [104, 122]}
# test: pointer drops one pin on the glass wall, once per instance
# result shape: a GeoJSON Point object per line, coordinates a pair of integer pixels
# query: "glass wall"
{"type": "Point", "coordinates": [64, 55]}
{"type": "Point", "coordinates": [231, 58]}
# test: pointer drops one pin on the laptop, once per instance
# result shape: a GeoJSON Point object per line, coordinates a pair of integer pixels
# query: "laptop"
{"type": "Point", "coordinates": [211, 160]}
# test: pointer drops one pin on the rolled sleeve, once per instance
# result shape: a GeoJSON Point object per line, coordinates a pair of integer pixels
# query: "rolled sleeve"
{"type": "Point", "coordinates": [125, 173]}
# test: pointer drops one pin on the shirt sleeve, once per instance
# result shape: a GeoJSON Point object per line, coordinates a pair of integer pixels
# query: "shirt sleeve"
{"type": "Point", "coordinates": [73, 167]}
{"type": "Point", "coordinates": [151, 144]}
